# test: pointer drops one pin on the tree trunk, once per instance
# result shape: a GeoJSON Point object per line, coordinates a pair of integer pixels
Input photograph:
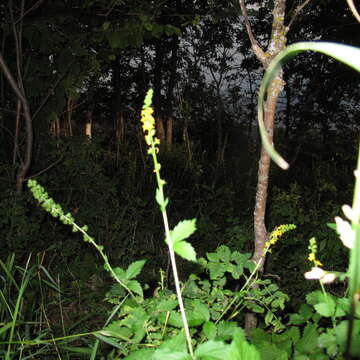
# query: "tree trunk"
{"type": "Point", "coordinates": [276, 44]}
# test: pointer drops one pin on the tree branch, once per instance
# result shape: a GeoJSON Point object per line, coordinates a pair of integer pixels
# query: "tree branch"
{"type": "Point", "coordinates": [260, 54]}
{"type": "Point", "coordinates": [297, 12]}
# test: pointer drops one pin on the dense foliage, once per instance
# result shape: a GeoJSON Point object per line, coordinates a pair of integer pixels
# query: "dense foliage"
{"type": "Point", "coordinates": [91, 63]}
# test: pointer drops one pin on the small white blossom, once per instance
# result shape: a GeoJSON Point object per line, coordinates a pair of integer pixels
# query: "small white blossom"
{"type": "Point", "coordinates": [317, 273]}
{"type": "Point", "coordinates": [328, 278]}
{"type": "Point", "coordinates": [348, 212]}
{"type": "Point", "coordinates": [347, 234]}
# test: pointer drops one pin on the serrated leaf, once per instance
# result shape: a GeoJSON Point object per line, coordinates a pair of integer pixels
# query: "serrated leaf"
{"type": "Point", "coordinates": [270, 351]}
{"type": "Point", "coordinates": [328, 342]}
{"type": "Point", "coordinates": [183, 230]}
{"type": "Point", "coordinates": [185, 250]}
{"type": "Point", "coordinates": [135, 287]}
{"type": "Point", "coordinates": [116, 290]}
{"type": "Point", "coordinates": [308, 342]}
{"type": "Point", "coordinates": [325, 309]}
{"type": "Point", "coordinates": [217, 270]}
{"type": "Point", "coordinates": [214, 257]}
{"type": "Point", "coordinates": [134, 269]}
{"type": "Point", "coordinates": [120, 273]}
{"type": "Point", "coordinates": [167, 305]}
{"type": "Point", "coordinates": [224, 253]}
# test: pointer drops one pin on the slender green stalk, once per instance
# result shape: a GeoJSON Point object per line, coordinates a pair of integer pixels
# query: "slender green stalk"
{"type": "Point", "coordinates": [148, 124]}
{"type": "Point", "coordinates": [354, 265]}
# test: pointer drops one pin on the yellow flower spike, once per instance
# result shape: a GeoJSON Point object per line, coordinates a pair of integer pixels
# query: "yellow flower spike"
{"type": "Point", "coordinates": [148, 121]}
{"type": "Point", "coordinates": [313, 251]}
{"type": "Point", "coordinates": [276, 234]}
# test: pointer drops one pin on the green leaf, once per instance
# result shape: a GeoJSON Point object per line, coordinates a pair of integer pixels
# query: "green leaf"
{"type": "Point", "coordinates": [174, 319]}
{"type": "Point", "coordinates": [326, 309]}
{"type": "Point", "coordinates": [202, 309]}
{"type": "Point", "coordinates": [315, 297]}
{"type": "Point", "coordinates": [209, 330]}
{"type": "Point", "coordinates": [185, 250]}
{"type": "Point", "coordinates": [217, 270]}
{"type": "Point", "coordinates": [212, 350]}
{"type": "Point", "coordinates": [332, 226]}
{"type": "Point", "coordinates": [135, 286]}
{"type": "Point", "coordinates": [108, 340]}
{"type": "Point", "coordinates": [140, 354]}
{"type": "Point", "coordinates": [226, 330]}
{"type": "Point", "coordinates": [120, 273]}
{"type": "Point", "coordinates": [240, 349]}
{"type": "Point", "coordinates": [116, 330]}
{"type": "Point", "coordinates": [116, 290]}
{"type": "Point", "coordinates": [134, 269]}
{"type": "Point", "coordinates": [157, 30]}
{"type": "Point", "coordinates": [270, 351]}
{"type": "Point", "coordinates": [224, 253]}
{"type": "Point", "coordinates": [167, 305]}
{"type": "Point", "coordinates": [116, 39]}
{"type": "Point", "coordinates": [175, 343]}
{"type": "Point", "coordinates": [169, 354]}
{"type": "Point", "coordinates": [254, 307]}
{"type": "Point", "coordinates": [328, 342]}
{"type": "Point", "coordinates": [308, 342]}
{"type": "Point", "coordinates": [183, 230]}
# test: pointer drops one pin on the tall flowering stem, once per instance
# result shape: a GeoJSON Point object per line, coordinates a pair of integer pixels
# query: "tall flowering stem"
{"type": "Point", "coordinates": [148, 126]}
{"type": "Point", "coordinates": [354, 265]}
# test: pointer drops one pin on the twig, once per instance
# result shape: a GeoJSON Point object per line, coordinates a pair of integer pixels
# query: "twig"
{"type": "Point", "coordinates": [297, 12]}
{"type": "Point", "coordinates": [254, 43]}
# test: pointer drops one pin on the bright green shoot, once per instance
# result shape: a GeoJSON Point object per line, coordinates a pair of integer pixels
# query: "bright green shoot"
{"type": "Point", "coordinates": [126, 278]}
{"type": "Point", "coordinates": [175, 238]}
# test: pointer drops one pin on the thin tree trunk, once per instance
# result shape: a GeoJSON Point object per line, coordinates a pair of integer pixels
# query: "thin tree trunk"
{"type": "Point", "coordinates": [24, 165]}
{"type": "Point", "coordinates": [169, 131]}
{"type": "Point", "coordinates": [18, 88]}
{"type": "Point", "coordinates": [276, 44]}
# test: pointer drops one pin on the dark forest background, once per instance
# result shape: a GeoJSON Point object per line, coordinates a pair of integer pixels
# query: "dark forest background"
{"type": "Point", "coordinates": [85, 67]}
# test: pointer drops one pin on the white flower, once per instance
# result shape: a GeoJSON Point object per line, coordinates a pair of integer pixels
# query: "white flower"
{"type": "Point", "coordinates": [347, 234]}
{"type": "Point", "coordinates": [317, 273]}
{"type": "Point", "coordinates": [349, 212]}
